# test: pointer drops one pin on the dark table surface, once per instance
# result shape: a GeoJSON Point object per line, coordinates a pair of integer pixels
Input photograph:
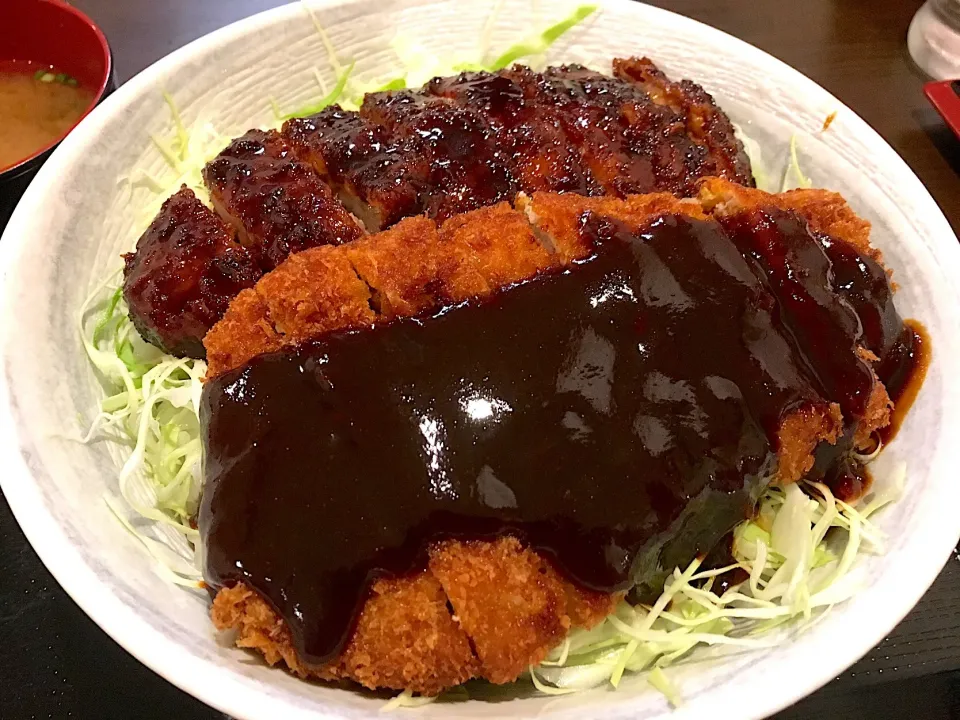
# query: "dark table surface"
{"type": "Point", "coordinates": [55, 663]}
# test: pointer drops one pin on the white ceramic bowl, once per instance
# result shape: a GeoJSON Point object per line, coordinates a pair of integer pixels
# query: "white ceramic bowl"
{"type": "Point", "coordinates": [77, 217]}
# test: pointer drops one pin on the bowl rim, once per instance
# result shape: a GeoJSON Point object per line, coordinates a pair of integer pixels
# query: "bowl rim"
{"type": "Point", "coordinates": [221, 686]}
{"type": "Point", "coordinates": [27, 164]}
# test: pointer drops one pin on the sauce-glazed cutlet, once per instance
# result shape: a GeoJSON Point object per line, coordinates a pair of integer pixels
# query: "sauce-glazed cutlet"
{"type": "Point", "coordinates": [187, 268]}
{"type": "Point", "coordinates": [455, 145]}
{"type": "Point", "coordinates": [858, 275]}
{"type": "Point", "coordinates": [277, 204]}
{"type": "Point", "coordinates": [361, 161]}
{"type": "Point", "coordinates": [710, 129]}
{"type": "Point", "coordinates": [479, 138]}
{"type": "Point", "coordinates": [406, 635]}
{"type": "Point", "coordinates": [404, 154]}
{"type": "Point", "coordinates": [190, 263]}
{"type": "Point", "coordinates": [412, 269]}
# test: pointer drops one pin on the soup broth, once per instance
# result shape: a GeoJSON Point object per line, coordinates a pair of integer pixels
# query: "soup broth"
{"type": "Point", "coordinates": [36, 108]}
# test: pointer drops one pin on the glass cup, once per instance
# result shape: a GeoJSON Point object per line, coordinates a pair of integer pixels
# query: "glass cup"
{"type": "Point", "coordinates": [934, 39]}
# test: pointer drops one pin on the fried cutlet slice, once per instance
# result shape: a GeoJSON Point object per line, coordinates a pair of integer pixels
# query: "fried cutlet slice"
{"type": "Point", "coordinates": [400, 266]}
{"type": "Point", "coordinates": [493, 247]}
{"type": "Point", "coordinates": [512, 603]}
{"type": "Point", "coordinates": [505, 602]}
{"type": "Point", "coordinates": [707, 126]}
{"type": "Point", "coordinates": [407, 637]}
{"type": "Point", "coordinates": [525, 130]}
{"type": "Point", "coordinates": [277, 204]}
{"type": "Point", "coordinates": [361, 161]}
{"type": "Point", "coordinates": [311, 293]}
{"type": "Point", "coordinates": [615, 135]}
{"type": "Point", "coordinates": [318, 292]}
{"type": "Point", "coordinates": [588, 110]}
{"type": "Point", "coordinates": [824, 212]}
{"type": "Point", "coordinates": [558, 219]}
{"type": "Point", "coordinates": [244, 332]}
{"type": "Point", "coordinates": [415, 266]}
{"type": "Point", "coordinates": [447, 148]}
{"type": "Point", "coordinates": [187, 268]}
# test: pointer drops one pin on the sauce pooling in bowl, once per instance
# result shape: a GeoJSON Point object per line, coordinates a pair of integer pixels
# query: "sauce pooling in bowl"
{"type": "Point", "coordinates": [37, 107]}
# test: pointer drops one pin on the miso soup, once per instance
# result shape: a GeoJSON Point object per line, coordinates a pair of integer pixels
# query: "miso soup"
{"type": "Point", "coordinates": [37, 106]}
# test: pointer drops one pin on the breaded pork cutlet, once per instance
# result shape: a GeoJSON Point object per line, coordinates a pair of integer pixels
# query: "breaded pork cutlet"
{"type": "Point", "coordinates": [509, 606]}
{"type": "Point", "coordinates": [706, 124]}
{"type": "Point", "coordinates": [510, 609]}
{"type": "Point", "coordinates": [190, 263]}
{"type": "Point", "coordinates": [277, 204]}
{"type": "Point", "coordinates": [187, 268]}
{"type": "Point", "coordinates": [844, 239]}
{"type": "Point", "coordinates": [463, 142]}
{"type": "Point", "coordinates": [457, 144]}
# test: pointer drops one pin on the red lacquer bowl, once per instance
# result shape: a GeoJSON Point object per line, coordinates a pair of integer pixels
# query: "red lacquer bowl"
{"type": "Point", "coordinates": [53, 34]}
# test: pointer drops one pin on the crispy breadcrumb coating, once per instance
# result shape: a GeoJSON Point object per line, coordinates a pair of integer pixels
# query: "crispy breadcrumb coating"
{"type": "Point", "coordinates": [480, 608]}
{"type": "Point", "coordinates": [826, 212]}
{"type": "Point", "coordinates": [509, 609]}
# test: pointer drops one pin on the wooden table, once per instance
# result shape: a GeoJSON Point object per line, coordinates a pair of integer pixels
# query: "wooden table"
{"type": "Point", "coordinates": [56, 663]}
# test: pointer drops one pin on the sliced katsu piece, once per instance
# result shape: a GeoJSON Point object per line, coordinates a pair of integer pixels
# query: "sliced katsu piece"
{"type": "Point", "coordinates": [530, 133]}
{"type": "Point", "coordinates": [476, 139]}
{"type": "Point", "coordinates": [187, 268]}
{"type": "Point", "coordinates": [826, 328]}
{"type": "Point", "coordinates": [368, 168]}
{"type": "Point", "coordinates": [860, 311]}
{"type": "Point", "coordinates": [459, 144]}
{"type": "Point", "coordinates": [859, 277]}
{"type": "Point", "coordinates": [404, 154]}
{"type": "Point", "coordinates": [277, 204]}
{"type": "Point", "coordinates": [706, 124]}
{"type": "Point", "coordinates": [859, 274]}
{"type": "Point", "coordinates": [815, 254]}
{"type": "Point", "coordinates": [452, 159]}
{"type": "Point", "coordinates": [625, 142]}
{"type": "Point", "coordinates": [417, 268]}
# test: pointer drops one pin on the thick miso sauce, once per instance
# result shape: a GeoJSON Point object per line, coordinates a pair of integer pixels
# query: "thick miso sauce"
{"type": "Point", "coordinates": [34, 113]}
{"type": "Point", "coordinates": [904, 373]}
{"type": "Point", "coordinates": [620, 416]}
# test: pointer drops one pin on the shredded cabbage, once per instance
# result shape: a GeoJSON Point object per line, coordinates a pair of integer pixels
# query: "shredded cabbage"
{"type": "Point", "coordinates": [150, 409]}
{"type": "Point", "coordinates": [420, 64]}
{"type": "Point", "coordinates": [793, 176]}
{"type": "Point", "coordinates": [797, 555]}
{"type": "Point", "coordinates": [328, 99]}
{"type": "Point", "coordinates": [407, 699]}
{"type": "Point", "coordinates": [751, 147]}
{"type": "Point", "coordinates": [540, 43]}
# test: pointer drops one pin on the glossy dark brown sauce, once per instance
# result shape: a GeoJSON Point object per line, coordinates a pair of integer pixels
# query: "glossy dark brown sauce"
{"type": "Point", "coordinates": [620, 416]}
{"type": "Point", "coordinates": [836, 302]}
{"type": "Point", "coordinates": [904, 374]}
{"type": "Point", "coordinates": [465, 142]}
{"type": "Point", "coordinates": [826, 329]}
